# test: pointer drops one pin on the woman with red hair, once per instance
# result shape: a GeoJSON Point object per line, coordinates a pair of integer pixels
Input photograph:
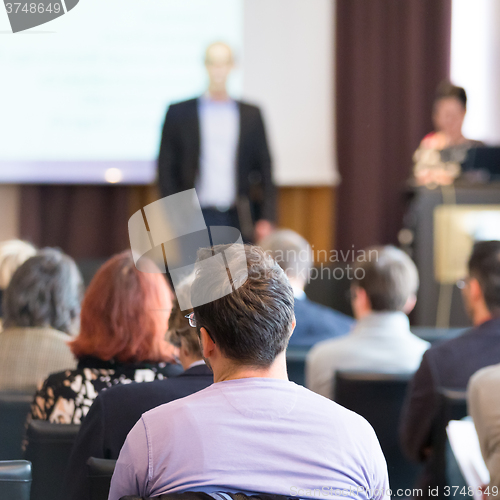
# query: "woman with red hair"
{"type": "Point", "coordinates": [124, 319]}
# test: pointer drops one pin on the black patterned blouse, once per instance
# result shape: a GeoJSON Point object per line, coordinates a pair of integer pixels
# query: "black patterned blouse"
{"type": "Point", "coordinates": [66, 397]}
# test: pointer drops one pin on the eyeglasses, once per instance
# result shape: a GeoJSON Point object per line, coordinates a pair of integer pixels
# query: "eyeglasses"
{"type": "Point", "coordinates": [192, 321]}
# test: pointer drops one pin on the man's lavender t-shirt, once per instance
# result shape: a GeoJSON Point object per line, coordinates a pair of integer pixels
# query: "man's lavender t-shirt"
{"type": "Point", "coordinates": [252, 435]}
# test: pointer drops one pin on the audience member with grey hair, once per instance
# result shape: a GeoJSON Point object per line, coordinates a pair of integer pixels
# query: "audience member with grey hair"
{"type": "Point", "coordinates": [315, 322]}
{"type": "Point", "coordinates": [12, 254]}
{"type": "Point", "coordinates": [41, 311]}
{"type": "Point", "coordinates": [382, 294]}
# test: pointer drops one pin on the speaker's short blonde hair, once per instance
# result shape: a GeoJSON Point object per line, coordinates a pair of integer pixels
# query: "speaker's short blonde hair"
{"type": "Point", "coordinates": [13, 253]}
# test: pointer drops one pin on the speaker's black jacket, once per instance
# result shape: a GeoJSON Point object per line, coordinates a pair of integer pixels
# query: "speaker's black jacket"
{"type": "Point", "coordinates": [178, 162]}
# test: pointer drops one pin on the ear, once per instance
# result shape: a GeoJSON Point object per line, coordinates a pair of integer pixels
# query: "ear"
{"type": "Point", "coordinates": [360, 302]}
{"type": "Point", "coordinates": [207, 344]}
{"type": "Point", "coordinates": [410, 304]}
{"type": "Point", "coordinates": [475, 292]}
{"type": "Point", "coordinates": [294, 322]}
{"type": "Point", "coordinates": [360, 296]}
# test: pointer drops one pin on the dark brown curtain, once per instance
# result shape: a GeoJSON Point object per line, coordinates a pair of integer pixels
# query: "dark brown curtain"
{"type": "Point", "coordinates": [86, 222]}
{"type": "Point", "coordinates": [390, 57]}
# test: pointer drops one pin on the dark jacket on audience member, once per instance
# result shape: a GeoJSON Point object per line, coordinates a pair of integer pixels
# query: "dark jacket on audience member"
{"type": "Point", "coordinates": [114, 413]}
{"type": "Point", "coordinates": [316, 323]}
{"type": "Point", "coordinates": [448, 364]}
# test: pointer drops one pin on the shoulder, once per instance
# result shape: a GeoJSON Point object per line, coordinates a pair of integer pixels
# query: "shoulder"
{"type": "Point", "coordinates": [134, 392]}
{"type": "Point", "coordinates": [143, 373]}
{"type": "Point", "coordinates": [249, 109]}
{"type": "Point", "coordinates": [63, 378]}
{"type": "Point", "coordinates": [168, 370]}
{"type": "Point", "coordinates": [184, 104]}
{"type": "Point", "coordinates": [453, 346]}
{"type": "Point", "coordinates": [330, 411]}
{"type": "Point", "coordinates": [177, 410]}
{"type": "Point", "coordinates": [198, 399]}
{"type": "Point", "coordinates": [481, 403]}
{"type": "Point", "coordinates": [473, 143]}
{"type": "Point", "coordinates": [417, 341]}
{"type": "Point", "coordinates": [328, 350]}
{"type": "Point", "coordinates": [127, 402]}
{"type": "Point", "coordinates": [433, 140]}
{"type": "Point", "coordinates": [322, 311]}
{"type": "Point", "coordinates": [486, 378]}
{"type": "Point", "coordinates": [180, 107]}
{"type": "Point", "coordinates": [35, 334]}
{"type": "Point", "coordinates": [53, 334]}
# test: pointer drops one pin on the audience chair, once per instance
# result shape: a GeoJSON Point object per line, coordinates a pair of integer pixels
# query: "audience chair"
{"type": "Point", "coordinates": [100, 471]}
{"type": "Point", "coordinates": [15, 480]}
{"type": "Point", "coordinates": [452, 406]}
{"type": "Point", "coordinates": [378, 397]}
{"type": "Point", "coordinates": [49, 447]}
{"type": "Point", "coordinates": [14, 408]}
{"type": "Point", "coordinates": [433, 334]}
{"type": "Point", "coordinates": [296, 364]}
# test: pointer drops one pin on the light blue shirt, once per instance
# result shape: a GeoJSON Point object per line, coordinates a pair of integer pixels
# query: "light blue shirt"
{"type": "Point", "coordinates": [219, 135]}
{"type": "Point", "coordinates": [379, 342]}
{"type": "Point", "coordinates": [252, 435]}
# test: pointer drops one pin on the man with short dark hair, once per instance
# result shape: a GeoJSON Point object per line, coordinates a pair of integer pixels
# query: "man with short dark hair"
{"type": "Point", "coordinates": [252, 431]}
{"type": "Point", "coordinates": [451, 363]}
{"type": "Point", "coordinates": [382, 294]}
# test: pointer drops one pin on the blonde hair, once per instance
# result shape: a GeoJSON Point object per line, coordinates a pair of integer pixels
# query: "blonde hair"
{"type": "Point", "coordinates": [13, 253]}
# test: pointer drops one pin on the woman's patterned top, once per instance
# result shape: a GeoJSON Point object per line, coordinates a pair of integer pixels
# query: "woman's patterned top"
{"type": "Point", "coordinates": [66, 397]}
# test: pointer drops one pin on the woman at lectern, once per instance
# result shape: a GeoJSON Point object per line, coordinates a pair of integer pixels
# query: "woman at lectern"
{"type": "Point", "coordinates": [437, 160]}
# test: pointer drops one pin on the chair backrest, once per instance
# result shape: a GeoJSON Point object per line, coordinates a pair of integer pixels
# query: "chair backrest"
{"type": "Point", "coordinates": [378, 397]}
{"type": "Point", "coordinates": [15, 479]}
{"type": "Point", "coordinates": [100, 471]}
{"type": "Point", "coordinates": [296, 364]}
{"type": "Point", "coordinates": [49, 447]}
{"type": "Point", "coordinates": [14, 408]}
{"type": "Point", "coordinates": [452, 406]}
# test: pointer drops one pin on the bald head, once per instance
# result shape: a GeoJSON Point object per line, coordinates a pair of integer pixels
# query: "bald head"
{"type": "Point", "coordinates": [219, 63]}
{"type": "Point", "coordinates": [218, 52]}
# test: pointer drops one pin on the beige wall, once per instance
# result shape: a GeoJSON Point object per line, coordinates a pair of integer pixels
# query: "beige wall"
{"type": "Point", "coordinates": [288, 70]}
{"type": "Point", "coordinates": [9, 211]}
{"type": "Point", "coordinates": [308, 210]}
